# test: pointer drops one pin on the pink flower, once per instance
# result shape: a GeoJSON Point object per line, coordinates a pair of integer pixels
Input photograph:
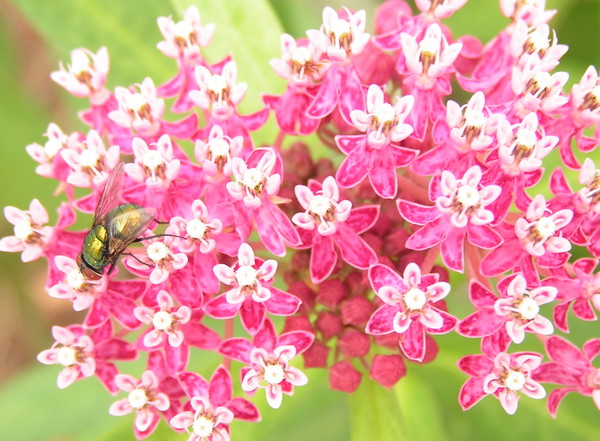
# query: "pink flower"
{"type": "Point", "coordinates": [83, 355]}
{"type": "Point", "coordinates": [526, 41]}
{"type": "Point", "coordinates": [572, 368]}
{"type": "Point", "coordinates": [585, 97]}
{"type": "Point", "coordinates": [86, 75]}
{"type": "Point", "coordinates": [163, 260]}
{"type": "Point", "coordinates": [256, 187]}
{"type": "Point", "coordinates": [268, 357]}
{"type": "Point", "coordinates": [252, 293]}
{"type": "Point", "coordinates": [144, 398]}
{"type": "Point", "coordinates": [376, 154]}
{"type": "Point", "coordinates": [328, 221]}
{"type": "Point", "coordinates": [166, 321]}
{"type": "Point", "coordinates": [503, 375]}
{"type": "Point", "coordinates": [460, 211]}
{"type": "Point", "coordinates": [139, 111]}
{"type": "Point", "coordinates": [217, 152]}
{"type": "Point", "coordinates": [219, 93]}
{"type": "Point", "coordinates": [31, 238]}
{"type": "Point", "coordinates": [516, 311]}
{"type": "Point", "coordinates": [91, 162]}
{"type": "Point", "coordinates": [156, 167]}
{"type": "Point", "coordinates": [184, 39]}
{"type": "Point", "coordinates": [533, 12]}
{"type": "Point", "coordinates": [300, 62]}
{"type": "Point", "coordinates": [213, 407]}
{"type": "Point", "coordinates": [340, 38]}
{"type": "Point", "coordinates": [49, 155]}
{"type": "Point", "coordinates": [409, 307]}
{"type": "Point", "coordinates": [438, 9]}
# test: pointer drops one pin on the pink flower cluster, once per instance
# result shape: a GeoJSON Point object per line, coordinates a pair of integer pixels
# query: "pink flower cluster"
{"type": "Point", "coordinates": [420, 177]}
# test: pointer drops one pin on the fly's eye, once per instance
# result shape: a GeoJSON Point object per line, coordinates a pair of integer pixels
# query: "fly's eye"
{"type": "Point", "coordinates": [87, 272]}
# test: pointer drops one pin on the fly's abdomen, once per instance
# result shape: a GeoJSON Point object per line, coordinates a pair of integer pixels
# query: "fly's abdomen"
{"type": "Point", "coordinates": [122, 218]}
{"type": "Point", "coordinates": [95, 247]}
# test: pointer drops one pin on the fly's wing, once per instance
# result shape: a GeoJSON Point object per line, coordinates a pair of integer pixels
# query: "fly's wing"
{"type": "Point", "coordinates": [125, 228]}
{"type": "Point", "coordinates": [111, 194]}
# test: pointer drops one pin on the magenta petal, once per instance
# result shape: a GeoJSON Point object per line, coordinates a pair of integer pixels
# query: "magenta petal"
{"type": "Point", "coordinates": [428, 235]}
{"type": "Point", "coordinates": [381, 275]}
{"type": "Point", "coordinates": [267, 230]}
{"type": "Point", "coordinates": [483, 236]}
{"type": "Point", "coordinates": [322, 259]}
{"type": "Point", "coordinates": [362, 218]}
{"type": "Point", "coordinates": [412, 342]}
{"type": "Point", "coordinates": [383, 174]}
{"type": "Point", "coordinates": [200, 336]}
{"type": "Point", "coordinates": [449, 323]}
{"type": "Point", "coordinates": [416, 213]}
{"type": "Point", "coordinates": [243, 410]}
{"type": "Point", "coordinates": [354, 250]}
{"type": "Point", "coordinates": [481, 296]}
{"type": "Point", "coordinates": [381, 322]}
{"type": "Point", "coordinates": [177, 357]}
{"type": "Point", "coordinates": [122, 309]}
{"type": "Point", "coordinates": [471, 392]}
{"type": "Point", "coordinates": [554, 399]}
{"type": "Point", "coordinates": [237, 348]}
{"type": "Point", "coordinates": [284, 226]}
{"type": "Point", "coordinates": [563, 351]}
{"type": "Point", "coordinates": [348, 143]}
{"type": "Point", "coordinates": [480, 323]}
{"type": "Point", "coordinates": [327, 96]}
{"type": "Point", "coordinates": [355, 167]}
{"type": "Point", "coordinates": [220, 388]}
{"type": "Point", "coordinates": [282, 303]}
{"type": "Point", "coordinates": [351, 94]}
{"type": "Point", "coordinates": [591, 348]}
{"type": "Point", "coordinates": [558, 373]}
{"type": "Point", "coordinates": [96, 316]}
{"type": "Point", "coordinates": [402, 156]}
{"type": "Point", "coordinates": [583, 310]}
{"type": "Point", "coordinates": [252, 314]}
{"type": "Point", "coordinates": [452, 249]}
{"type": "Point", "coordinates": [301, 340]}
{"type": "Point", "coordinates": [475, 365]}
{"type": "Point", "coordinates": [203, 271]}
{"type": "Point", "coordinates": [193, 384]}
{"type": "Point", "coordinates": [500, 260]}
{"type": "Point", "coordinates": [266, 337]}
{"type": "Point", "coordinates": [219, 308]}
{"type": "Point", "coordinates": [560, 316]}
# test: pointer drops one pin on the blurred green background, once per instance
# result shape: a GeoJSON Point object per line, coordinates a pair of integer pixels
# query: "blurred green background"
{"type": "Point", "coordinates": [34, 36]}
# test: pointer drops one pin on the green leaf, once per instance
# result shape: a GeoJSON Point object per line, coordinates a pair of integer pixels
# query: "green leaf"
{"type": "Point", "coordinates": [375, 414]}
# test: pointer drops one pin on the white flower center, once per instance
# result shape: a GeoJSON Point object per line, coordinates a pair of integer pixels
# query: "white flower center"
{"type": "Point", "coordinates": [216, 84]}
{"type": "Point", "coordinates": [528, 308]}
{"type": "Point", "coordinates": [157, 251]}
{"type": "Point", "coordinates": [274, 374]}
{"type": "Point", "coordinates": [67, 356]}
{"type": "Point", "coordinates": [51, 148]}
{"type": "Point", "coordinates": [429, 46]}
{"type": "Point", "coordinates": [79, 62]}
{"type": "Point", "coordinates": [89, 158]}
{"type": "Point", "coordinates": [196, 229]}
{"type": "Point", "coordinates": [415, 299]}
{"type": "Point", "coordinates": [468, 196]}
{"type": "Point", "coordinates": [595, 93]}
{"type": "Point", "coordinates": [135, 101]}
{"type": "Point", "coordinates": [152, 159]}
{"type": "Point", "coordinates": [203, 426]}
{"type": "Point", "coordinates": [219, 148]}
{"type": "Point", "coordinates": [137, 398]}
{"type": "Point", "coordinates": [183, 30]}
{"type": "Point", "coordinates": [253, 178]}
{"type": "Point", "coordinates": [543, 80]}
{"type": "Point", "coordinates": [320, 205]}
{"type": "Point", "coordinates": [474, 118]}
{"type": "Point", "coordinates": [23, 230]}
{"type": "Point", "coordinates": [385, 113]}
{"type": "Point", "coordinates": [162, 320]}
{"type": "Point", "coordinates": [526, 138]}
{"type": "Point", "coordinates": [545, 227]}
{"type": "Point", "coordinates": [538, 41]}
{"type": "Point", "coordinates": [514, 380]}
{"type": "Point", "coordinates": [301, 55]}
{"type": "Point", "coordinates": [75, 279]}
{"type": "Point", "coordinates": [340, 27]}
{"type": "Point", "coordinates": [246, 276]}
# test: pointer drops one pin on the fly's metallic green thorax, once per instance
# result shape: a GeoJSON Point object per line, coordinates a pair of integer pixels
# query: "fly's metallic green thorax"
{"type": "Point", "coordinates": [95, 248]}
